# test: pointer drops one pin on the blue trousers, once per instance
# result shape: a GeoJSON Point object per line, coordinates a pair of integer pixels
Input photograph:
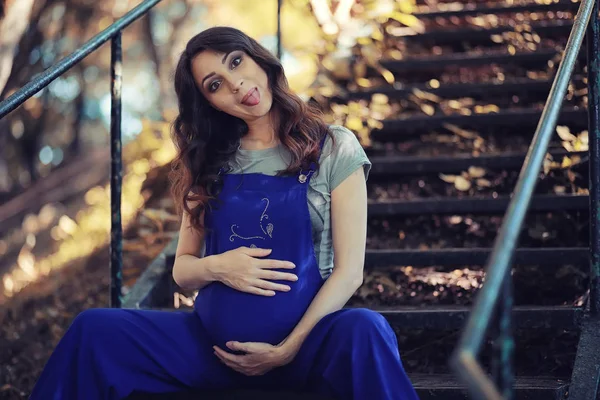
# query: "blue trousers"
{"type": "Point", "coordinates": [110, 353]}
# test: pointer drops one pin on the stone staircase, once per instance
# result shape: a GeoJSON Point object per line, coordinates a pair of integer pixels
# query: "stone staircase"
{"type": "Point", "coordinates": [443, 130]}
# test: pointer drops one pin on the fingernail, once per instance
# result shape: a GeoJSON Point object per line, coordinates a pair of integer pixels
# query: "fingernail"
{"type": "Point", "coordinates": [287, 288]}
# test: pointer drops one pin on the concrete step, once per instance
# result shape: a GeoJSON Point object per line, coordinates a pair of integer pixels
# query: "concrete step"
{"type": "Point", "coordinates": [429, 387]}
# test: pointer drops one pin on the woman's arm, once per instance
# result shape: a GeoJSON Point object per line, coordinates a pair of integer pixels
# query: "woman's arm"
{"type": "Point", "coordinates": [242, 269]}
{"type": "Point", "coordinates": [349, 232]}
{"type": "Point", "coordinates": [191, 270]}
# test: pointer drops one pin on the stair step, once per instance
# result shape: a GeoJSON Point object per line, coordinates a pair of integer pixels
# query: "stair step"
{"type": "Point", "coordinates": [455, 317]}
{"type": "Point", "coordinates": [539, 57]}
{"type": "Point", "coordinates": [446, 11]}
{"type": "Point", "coordinates": [552, 256]}
{"type": "Point", "coordinates": [395, 130]}
{"type": "Point", "coordinates": [388, 166]}
{"type": "Point", "coordinates": [556, 28]}
{"type": "Point", "coordinates": [475, 90]}
{"type": "Point", "coordinates": [447, 387]}
{"type": "Point", "coordinates": [473, 205]}
{"type": "Point", "coordinates": [153, 288]}
{"type": "Point", "coordinates": [234, 394]}
{"type": "Point", "coordinates": [428, 387]}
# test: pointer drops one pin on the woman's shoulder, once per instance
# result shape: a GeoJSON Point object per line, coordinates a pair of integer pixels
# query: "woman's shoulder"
{"type": "Point", "coordinates": [342, 156]}
{"type": "Point", "coordinates": [340, 132]}
{"type": "Point", "coordinates": [341, 139]}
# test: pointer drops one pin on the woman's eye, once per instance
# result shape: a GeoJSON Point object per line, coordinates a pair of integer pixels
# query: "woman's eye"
{"type": "Point", "coordinates": [213, 86]}
{"type": "Point", "coordinates": [236, 61]}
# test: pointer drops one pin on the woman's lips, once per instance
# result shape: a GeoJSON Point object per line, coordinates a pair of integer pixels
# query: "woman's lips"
{"type": "Point", "coordinates": [251, 98]}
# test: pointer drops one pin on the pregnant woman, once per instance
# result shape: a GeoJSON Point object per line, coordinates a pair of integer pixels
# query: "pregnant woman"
{"type": "Point", "coordinates": [274, 213]}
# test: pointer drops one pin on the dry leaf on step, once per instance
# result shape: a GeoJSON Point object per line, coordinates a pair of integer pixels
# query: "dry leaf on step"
{"type": "Point", "coordinates": [476, 172]}
{"type": "Point", "coordinates": [565, 133]}
{"type": "Point", "coordinates": [448, 178]}
{"type": "Point", "coordinates": [462, 184]}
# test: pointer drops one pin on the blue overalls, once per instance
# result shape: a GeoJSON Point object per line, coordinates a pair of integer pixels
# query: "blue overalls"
{"type": "Point", "coordinates": [349, 354]}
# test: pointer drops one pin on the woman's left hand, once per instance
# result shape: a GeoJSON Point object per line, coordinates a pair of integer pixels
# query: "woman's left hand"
{"type": "Point", "coordinates": [259, 359]}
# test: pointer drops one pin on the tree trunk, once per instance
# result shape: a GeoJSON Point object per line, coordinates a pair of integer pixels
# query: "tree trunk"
{"type": "Point", "coordinates": [12, 27]}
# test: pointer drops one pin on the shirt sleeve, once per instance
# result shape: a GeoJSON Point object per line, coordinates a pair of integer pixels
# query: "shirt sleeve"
{"type": "Point", "coordinates": [346, 156]}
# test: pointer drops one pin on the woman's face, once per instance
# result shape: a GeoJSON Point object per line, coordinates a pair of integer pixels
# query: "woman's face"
{"type": "Point", "coordinates": [233, 83]}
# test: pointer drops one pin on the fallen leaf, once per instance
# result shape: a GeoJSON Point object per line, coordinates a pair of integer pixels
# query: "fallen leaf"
{"type": "Point", "coordinates": [427, 109]}
{"type": "Point", "coordinates": [483, 182]}
{"type": "Point", "coordinates": [448, 178]}
{"type": "Point", "coordinates": [566, 162]}
{"type": "Point", "coordinates": [462, 184]}
{"type": "Point", "coordinates": [363, 82]}
{"type": "Point", "coordinates": [460, 131]}
{"type": "Point", "coordinates": [559, 189]}
{"type": "Point", "coordinates": [455, 219]}
{"type": "Point", "coordinates": [434, 83]}
{"type": "Point", "coordinates": [426, 95]}
{"type": "Point", "coordinates": [548, 163]}
{"type": "Point", "coordinates": [379, 98]}
{"type": "Point", "coordinates": [476, 172]}
{"type": "Point", "coordinates": [565, 133]}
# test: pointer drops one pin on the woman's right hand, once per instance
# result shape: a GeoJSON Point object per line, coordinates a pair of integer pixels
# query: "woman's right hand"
{"type": "Point", "coordinates": [243, 271]}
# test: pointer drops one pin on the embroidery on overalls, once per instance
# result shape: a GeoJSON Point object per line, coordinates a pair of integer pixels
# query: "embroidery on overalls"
{"type": "Point", "coordinates": [268, 230]}
{"type": "Point", "coordinates": [263, 216]}
{"type": "Point", "coordinates": [235, 235]}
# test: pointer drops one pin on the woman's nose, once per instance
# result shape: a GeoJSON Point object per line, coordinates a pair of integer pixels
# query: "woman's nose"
{"type": "Point", "coordinates": [237, 86]}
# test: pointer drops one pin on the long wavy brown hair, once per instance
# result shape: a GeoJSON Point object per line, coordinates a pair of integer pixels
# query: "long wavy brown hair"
{"type": "Point", "coordinates": [206, 138]}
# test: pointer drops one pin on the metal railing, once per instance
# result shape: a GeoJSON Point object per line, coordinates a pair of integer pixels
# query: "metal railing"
{"type": "Point", "coordinates": [40, 81]}
{"type": "Point", "coordinates": [495, 297]}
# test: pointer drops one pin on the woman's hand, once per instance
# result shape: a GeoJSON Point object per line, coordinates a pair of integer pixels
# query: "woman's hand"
{"type": "Point", "coordinates": [241, 270]}
{"type": "Point", "coordinates": [259, 359]}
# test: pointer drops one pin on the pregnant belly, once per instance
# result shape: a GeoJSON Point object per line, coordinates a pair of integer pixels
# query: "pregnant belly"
{"type": "Point", "coordinates": [228, 314]}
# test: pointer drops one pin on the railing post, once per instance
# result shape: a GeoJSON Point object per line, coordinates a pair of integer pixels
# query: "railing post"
{"type": "Point", "coordinates": [502, 369]}
{"type": "Point", "coordinates": [506, 340]}
{"type": "Point", "coordinates": [593, 65]}
{"type": "Point", "coordinates": [116, 232]}
{"type": "Point", "coordinates": [279, 53]}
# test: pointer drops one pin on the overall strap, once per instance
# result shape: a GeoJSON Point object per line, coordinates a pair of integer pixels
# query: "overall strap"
{"type": "Point", "coordinates": [302, 177]}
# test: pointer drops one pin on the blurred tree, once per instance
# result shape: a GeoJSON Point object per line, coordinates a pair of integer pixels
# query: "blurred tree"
{"type": "Point", "coordinates": [64, 122]}
{"type": "Point", "coordinates": [51, 29]}
{"type": "Point", "coordinates": [19, 30]}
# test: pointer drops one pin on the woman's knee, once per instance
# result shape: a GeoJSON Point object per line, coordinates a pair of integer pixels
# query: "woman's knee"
{"type": "Point", "coordinates": [97, 320]}
{"type": "Point", "coordinates": [363, 320]}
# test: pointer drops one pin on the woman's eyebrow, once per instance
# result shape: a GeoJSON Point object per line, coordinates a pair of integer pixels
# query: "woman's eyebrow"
{"type": "Point", "coordinates": [212, 73]}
